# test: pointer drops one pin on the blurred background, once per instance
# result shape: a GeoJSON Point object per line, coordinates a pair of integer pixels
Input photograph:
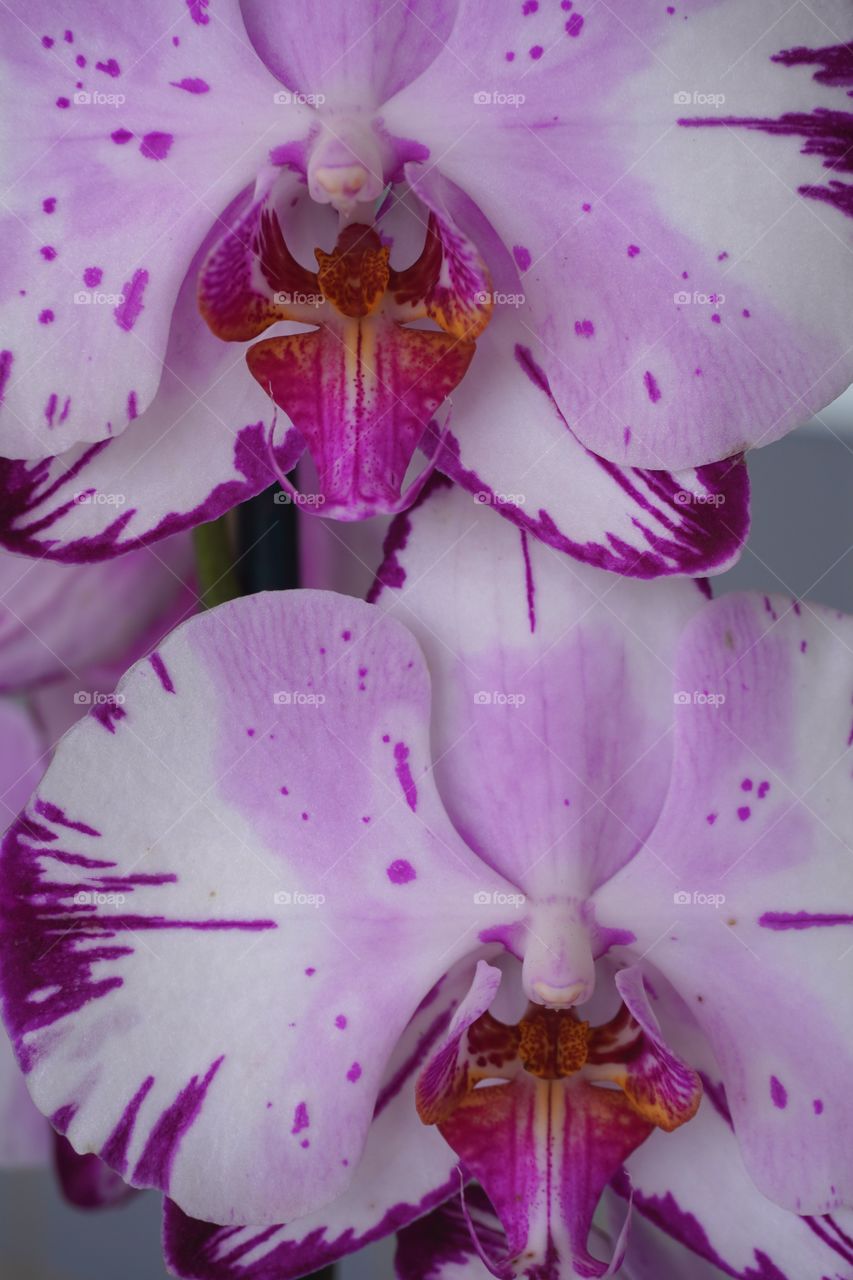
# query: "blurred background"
{"type": "Point", "coordinates": [801, 544]}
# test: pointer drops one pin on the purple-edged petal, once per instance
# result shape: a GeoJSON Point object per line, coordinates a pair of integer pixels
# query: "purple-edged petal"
{"type": "Point", "coordinates": [673, 181]}
{"type": "Point", "coordinates": [124, 141]}
{"type": "Point", "coordinates": [355, 52]}
{"type": "Point", "coordinates": [406, 1170]}
{"type": "Point", "coordinates": [289, 828]}
{"type": "Point", "coordinates": [86, 1181]}
{"type": "Point", "coordinates": [60, 620]}
{"type": "Point", "coordinates": [201, 447]}
{"type": "Point", "coordinates": [552, 691]}
{"type": "Point", "coordinates": [633, 521]}
{"type": "Point", "coordinates": [743, 895]}
{"type": "Point", "coordinates": [692, 1185]}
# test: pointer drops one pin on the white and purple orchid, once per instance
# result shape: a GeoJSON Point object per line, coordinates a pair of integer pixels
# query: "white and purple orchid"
{"type": "Point", "coordinates": [584, 224]}
{"type": "Point", "coordinates": [525, 876]}
{"type": "Point", "coordinates": [66, 635]}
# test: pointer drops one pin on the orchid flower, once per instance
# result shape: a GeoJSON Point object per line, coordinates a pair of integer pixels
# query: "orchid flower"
{"type": "Point", "coordinates": [613, 235]}
{"type": "Point", "coordinates": [345, 938]}
{"type": "Point", "coordinates": [66, 634]}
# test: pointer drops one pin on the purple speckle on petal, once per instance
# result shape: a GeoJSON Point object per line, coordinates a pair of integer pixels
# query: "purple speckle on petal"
{"type": "Point", "coordinates": [746, 314]}
{"type": "Point", "coordinates": [47, 42]}
{"type": "Point", "coordinates": [746, 785]}
{"type": "Point", "coordinates": [63, 103]}
{"type": "Point", "coordinates": [633, 250]}
{"type": "Point", "coordinates": [300, 1118]}
{"type": "Point", "coordinates": [198, 13]}
{"type": "Point", "coordinates": [341, 1022]}
{"type": "Point", "coordinates": [778, 1093]}
{"type": "Point", "coordinates": [574, 26]}
{"type": "Point", "coordinates": [346, 635]}
{"type": "Point", "coordinates": [192, 84]}
{"type": "Point", "coordinates": [404, 775]}
{"type": "Point", "coordinates": [522, 256]}
{"type": "Point", "coordinates": [536, 52]}
{"type": "Point", "coordinates": [401, 871]}
{"type": "Point", "coordinates": [584, 328]}
{"type": "Point", "coordinates": [110, 67]}
{"type": "Point", "coordinates": [46, 316]}
{"type": "Point", "coordinates": [817, 1107]}
{"type": "Point", "coordinates": [763, 788]}
{"type": "Point", "coordinates": [48, 252]}
{"type": "Point", "coordinates": [710, 818]}
{"type": "Point", "coordinates": [80, 60]}
{"type": "Point", "coordinates": [49, 204]}
{"type": "Point", "coordinates": [529, 6]}
{"type": "Point", "coordinates": [652, 387]}
{"type": "Point", "coordinates": [121, 136]}
{"type": "Point", "coordinates": [310, 972]}
{"type": "Point", "coordinates": [354, 1072]}
{"type": "Point", "coordinates": [92, 276]}
{"type": "Point", "coordinates": [744, 812]}
{"type": "Point", "coordinates": [156, 146]}
{"type": "Point", "coordinates": [716, 318]}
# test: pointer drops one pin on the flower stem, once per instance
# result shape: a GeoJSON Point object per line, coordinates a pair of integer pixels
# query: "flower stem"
{"type": "Point", "coordinates": [214, 555]}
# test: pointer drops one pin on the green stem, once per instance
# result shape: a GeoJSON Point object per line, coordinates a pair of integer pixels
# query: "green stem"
{"type": "Point", "coordinates": [217, 580]}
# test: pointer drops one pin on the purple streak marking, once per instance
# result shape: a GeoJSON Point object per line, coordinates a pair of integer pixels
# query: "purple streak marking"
{"type": "Point", "coordinates": [192, 84]}
{"type": "Point", "coordinates": [155, 1164]}
{"type": "Point", "coordinates": [781, 920]}
{"type": "Point", "coordinates": [778, 1093]}
{"type": "Point", "coordinates": [404, 775]}
{"type": "Point", "coordinates": [114, 1151]}
{"type": "Point", "coordinates": [300, 1118]}
{"type": "Point", "coordinates": [127, 313]}
{"type": "Point", "coordinates": [529, 583]}
{"type": "Point", "coordinates": [162, 672]}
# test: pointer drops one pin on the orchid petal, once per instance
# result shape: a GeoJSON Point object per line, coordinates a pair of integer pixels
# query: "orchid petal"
{"type": "Point", "coordinates": [59, 620]}
{"type": "Point", "coordinates": [282, 745]}
{"type": "Point", "coordinates": [86, 1181]}
{"type": "Point", "coordinates": [21, 759]}
{"type": "Point", "coordinates": [199, 449]}
{"type": "Point", "coordinates": [440, 1246]}
{"type": "Point", "coordinates": [656, 171]}
{"type": "Point", "coordinates": [123, 143]}
{"type": "Point", "coordinates": [351, 50]}
{"type": "Point", "coordinates": [548, 671]}
{"type": "Point", "coordinates": [633, 521]}
{"type": "Point", "coordinates": [735, 1229]}
{"type": "Point", "coordinates": [405, 1170]}
{"type": "Point", "coordinates": [743, 894]}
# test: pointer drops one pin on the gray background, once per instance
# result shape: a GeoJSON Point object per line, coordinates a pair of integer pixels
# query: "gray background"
{"type": "Point", "coordinates": [801, 543]}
